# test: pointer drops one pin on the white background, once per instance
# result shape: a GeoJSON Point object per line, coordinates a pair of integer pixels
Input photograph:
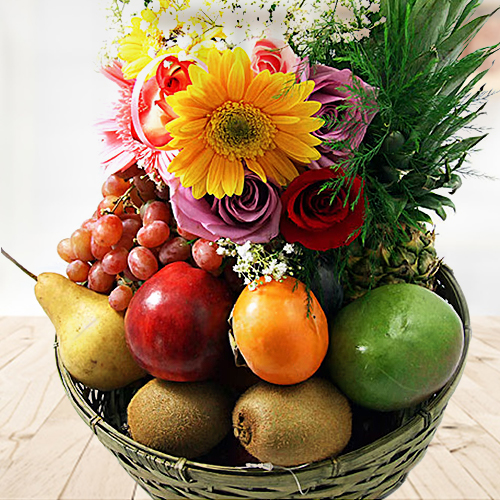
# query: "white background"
{"type": "Point", "coordinates": [51, 94]}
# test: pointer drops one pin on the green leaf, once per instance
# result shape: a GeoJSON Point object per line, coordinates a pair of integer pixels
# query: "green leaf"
{"type": "Point", "coordinates": [456, 149]}
{"type": "Point", "coordinates": [398, 205]}
{"type": "Point", "coordinates": [474, 81]}
{"type": "Point", "coordinates": [456, 7]}
{"type": "Point", "coordinates": [419, 216]}
{"type": "Point", "coordinates": [428, 20]}
{"type": "Point", "coordinates": [393, 10]}
{"type": "Point", "coordinates": [453, 183]}
{"type": "Point", "coordinates": [450, 48]}
{"type": "Point", "coordinates": [460, 71]}
{"type": "Point", "coordinates": [441, 212]}
{"type": "Point", "coordinates": [434, 201]}
{"type": "Point", "coordinates": [452, 124]}
{"type": "Point", "coordinates": [414, 181]}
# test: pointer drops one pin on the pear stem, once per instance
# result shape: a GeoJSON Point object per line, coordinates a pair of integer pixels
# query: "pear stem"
{"type": "Point", "coordinates": [30, 274]}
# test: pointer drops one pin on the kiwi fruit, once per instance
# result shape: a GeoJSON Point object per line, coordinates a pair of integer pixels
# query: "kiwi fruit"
{"type": "Point", "coordinates": [294, 424]}
{"type": "Point", "coordinates": [184, 419]}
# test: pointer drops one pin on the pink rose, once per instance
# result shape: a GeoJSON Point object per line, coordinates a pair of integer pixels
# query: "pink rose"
{"type": "Point", "coordinates": [252, 216]}
{"type": "Point", "coordinates": [348, 105]}
{"type": "Point", "coordinates": [274, 55]}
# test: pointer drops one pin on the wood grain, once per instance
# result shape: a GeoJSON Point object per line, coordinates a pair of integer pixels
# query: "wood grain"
{"type": "Point", "coordinates": [47, 452]}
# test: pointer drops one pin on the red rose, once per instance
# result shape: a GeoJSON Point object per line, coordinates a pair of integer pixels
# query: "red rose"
{"type": "Point", "coordinates": [172, 75]}
{"type": "Point", "coordinates": [309, 216]}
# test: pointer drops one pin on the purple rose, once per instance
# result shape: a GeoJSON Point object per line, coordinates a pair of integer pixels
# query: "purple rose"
{"type": "Point", "coordinates": [253, 216]}
{"type": "Point", "coordinates": [348, 107]}
{"type": "Point", "coordinates": [326, 160]}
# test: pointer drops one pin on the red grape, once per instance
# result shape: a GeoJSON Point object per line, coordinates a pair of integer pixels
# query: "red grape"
{"type": "Point", "coordinates": [80, 243]}
{"type": "Point", "coordinates": [205, 255]}
{"type": "Point", "coordinates": [163, 193]}
{"type": "Point", "coordinates": [109, 204]}
{"type": "Point", "coordinates": [114, 186]}
{"type": "Point", "coordinates": [136, 199]}
{"type": "Point", "coordinates": [127, 273]}
{"type": "Point", "coordinates": [120, 297]}
{"type": "Point", "coordinates": [130, 172]}
{"type": "Point", "coordinates": [98, 250]}
{"type": "Point", "coordinates": [115, 261]}
{"type": "Point", "coordinates": [185, 234]}
{"type": "Point", "coordinates": [155, 210]}
{"type": "Point", "coordinates": [142, 262]}
{"type": "Point", "coordinates": [126, 241]}
{"type": "Point", "coordinates": [154, 234]}
{"type": "Point", "coordinates": [131, 215]}
{"type": "Point", "coordinates": [89, 223]}
{"type": "Point", "coordinates": [174, 250]}
{"type": "Point", "coordinates": [65, 250]}
{"type": "Point", "coordinates": [145, 187]}
{"type": "Point", "coordinates": [108, 230]}
{"type": "Point", "coordinates": [78, 271]}
{"type": "Point", "coordinates": [99, 281]}
{"type": "Point", "coordinates": [130, 228]}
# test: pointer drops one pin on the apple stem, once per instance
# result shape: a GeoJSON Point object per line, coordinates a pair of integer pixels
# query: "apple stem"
{"type": "Point", "coordinates": [30, 274]}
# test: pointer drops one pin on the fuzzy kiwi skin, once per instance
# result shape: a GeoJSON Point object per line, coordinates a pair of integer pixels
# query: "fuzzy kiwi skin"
{"type": "Point", "coordinates": [294, 424]}
{"type": "Point", "coordinates": [184, 419]}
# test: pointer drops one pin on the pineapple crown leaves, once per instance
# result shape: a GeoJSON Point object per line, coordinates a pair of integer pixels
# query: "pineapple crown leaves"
{"type": "Point", "coordinates": [427, 94]}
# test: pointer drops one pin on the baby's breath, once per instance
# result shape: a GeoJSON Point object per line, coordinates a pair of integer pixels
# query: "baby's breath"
{"type": "Point", "coordinates": [257, 263]}
{"type": "Point", "coordinates": [240, 20]}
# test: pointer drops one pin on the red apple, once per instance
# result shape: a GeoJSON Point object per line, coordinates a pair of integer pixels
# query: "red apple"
{"type": "Point", "coordinates": [176, 325]}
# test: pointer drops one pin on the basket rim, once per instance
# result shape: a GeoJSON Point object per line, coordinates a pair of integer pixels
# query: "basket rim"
{"type": "Point", "coordinates": [436, 404]}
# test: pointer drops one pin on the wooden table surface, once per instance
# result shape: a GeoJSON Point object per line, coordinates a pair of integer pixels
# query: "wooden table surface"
{"type": "Point", "coordinates": [47, 452]}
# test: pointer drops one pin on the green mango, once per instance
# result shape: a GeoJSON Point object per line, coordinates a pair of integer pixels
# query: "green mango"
{"type": "Point", "coordinates": [394, 347]}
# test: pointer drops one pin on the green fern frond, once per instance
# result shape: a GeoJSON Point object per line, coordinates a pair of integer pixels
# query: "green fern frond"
{"type": "Point", "coordinates": [427, 98]}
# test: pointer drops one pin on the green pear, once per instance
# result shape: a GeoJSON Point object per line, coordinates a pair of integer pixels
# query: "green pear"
{"type": "Point", "coordinates": [90, 333]}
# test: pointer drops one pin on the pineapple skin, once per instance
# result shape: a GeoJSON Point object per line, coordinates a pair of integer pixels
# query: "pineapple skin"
{"type": "Point", "coordinates": [414, 260]}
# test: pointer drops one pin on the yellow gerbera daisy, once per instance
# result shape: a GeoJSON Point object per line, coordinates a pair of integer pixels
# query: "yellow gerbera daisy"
{"type": "Point", "coordinates": [140, 47]}
{"type": "Point", "coordinates": [229, 117]}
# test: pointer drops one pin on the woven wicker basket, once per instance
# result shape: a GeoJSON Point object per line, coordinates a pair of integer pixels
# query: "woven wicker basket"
{"type": "Point", "coordinates": [367, 470]}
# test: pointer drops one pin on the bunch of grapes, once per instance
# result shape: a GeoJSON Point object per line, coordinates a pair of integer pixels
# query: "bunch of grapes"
{"type": "Point", "coordinates": [131, 235]}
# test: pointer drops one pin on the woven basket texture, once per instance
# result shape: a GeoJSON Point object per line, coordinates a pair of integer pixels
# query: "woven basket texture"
{"type": "Point", "coordinates": [371, 469]}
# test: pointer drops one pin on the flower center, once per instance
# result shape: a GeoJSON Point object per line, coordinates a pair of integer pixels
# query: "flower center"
{"type": "Point", "coordinates": [239, 130]}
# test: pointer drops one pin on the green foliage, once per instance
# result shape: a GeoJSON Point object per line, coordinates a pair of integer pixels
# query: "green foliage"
{"type": "Point", "coordinates": [415, 152]}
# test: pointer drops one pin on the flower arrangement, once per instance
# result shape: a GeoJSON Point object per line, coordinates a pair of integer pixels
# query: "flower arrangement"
{"type": "Point", "coordinates": [309, 137]}
{"type": "Point", "coordinates": [277, 165]}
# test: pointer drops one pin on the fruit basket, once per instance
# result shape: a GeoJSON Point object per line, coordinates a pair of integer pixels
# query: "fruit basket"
{"type": "Point", "coordinates": [256, 308]}
{"type": "Point", "coordinates": [372, 471]}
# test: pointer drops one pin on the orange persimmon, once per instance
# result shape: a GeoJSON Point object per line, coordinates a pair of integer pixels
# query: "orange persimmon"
{"type": "Point", "coordinates": [280, 330]}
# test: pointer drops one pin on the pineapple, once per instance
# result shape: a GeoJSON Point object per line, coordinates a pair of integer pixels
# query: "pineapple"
{"type": "Point", "coordinates": [414, 154]}
{"type": "Point", "coordinates": [414, 260]}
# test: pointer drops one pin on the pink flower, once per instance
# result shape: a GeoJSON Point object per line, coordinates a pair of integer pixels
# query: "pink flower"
{"type": "Point", "coordinates": [274, 55]}
{"type": "Point", "coordinates": [122, 147]}
{"type": "Point", "coordinates": [328, 160]}
{"type": "Point", "coordinates": [348, 105]}
{"type": "Point", "coordinates": [115, 74]}
{"type": "Point", "coordinates": [252, 216]}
